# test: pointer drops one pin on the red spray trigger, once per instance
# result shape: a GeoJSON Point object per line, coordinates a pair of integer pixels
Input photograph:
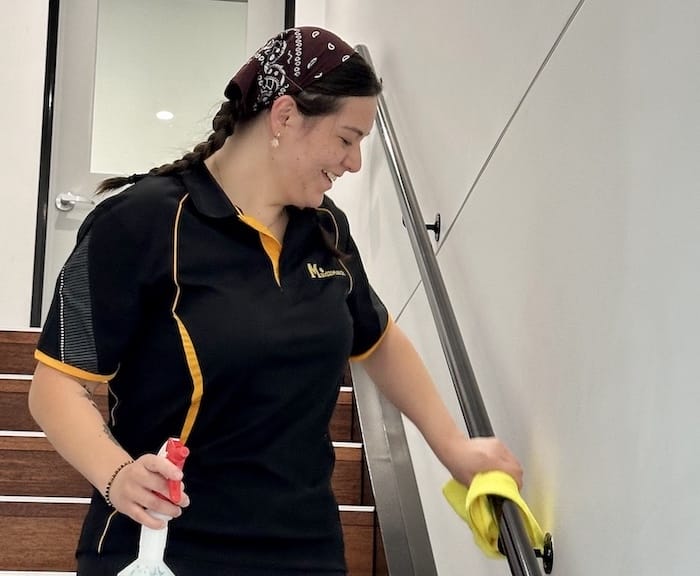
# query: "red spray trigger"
{"type": "Point", "coordinates": [176, 452]}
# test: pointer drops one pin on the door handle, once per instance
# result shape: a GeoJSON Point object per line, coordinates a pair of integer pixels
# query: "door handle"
{"type": "Point", "coordinates": [66, 201]}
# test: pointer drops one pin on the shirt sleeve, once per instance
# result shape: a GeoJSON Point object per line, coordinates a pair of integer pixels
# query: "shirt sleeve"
{"type": "Point", "coordinates": [97, 303]}
{"type": "Point", "coordinates": [369, 315]}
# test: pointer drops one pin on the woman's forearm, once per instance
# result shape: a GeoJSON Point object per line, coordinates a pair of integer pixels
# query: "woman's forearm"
{"type": "Point", "coordinates": [398, 371]}
{"type": "Point", "coordinates": [63, 408]}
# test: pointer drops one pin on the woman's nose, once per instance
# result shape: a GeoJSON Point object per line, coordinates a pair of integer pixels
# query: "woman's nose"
{"type": "Point", "coordinates": [353, 161]}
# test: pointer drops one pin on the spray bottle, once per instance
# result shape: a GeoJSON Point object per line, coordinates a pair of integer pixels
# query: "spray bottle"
{"type": "Point", "coordinates": [152, 543]}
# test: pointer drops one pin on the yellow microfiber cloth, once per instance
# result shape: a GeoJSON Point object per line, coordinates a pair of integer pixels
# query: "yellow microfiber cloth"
{"type": "Point", "coordinates": [473, 506]}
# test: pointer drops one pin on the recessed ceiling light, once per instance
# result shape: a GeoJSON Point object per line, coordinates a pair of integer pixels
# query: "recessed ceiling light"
{"type": "Point", "coordinates": [165, 115]}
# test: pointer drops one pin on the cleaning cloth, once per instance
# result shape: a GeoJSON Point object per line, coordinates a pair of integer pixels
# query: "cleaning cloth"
{"type": "Point", "coordinates": [474, 507]}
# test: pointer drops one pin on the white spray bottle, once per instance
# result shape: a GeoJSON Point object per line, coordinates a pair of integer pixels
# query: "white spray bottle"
{"type": "Point", "coordinates": [152, 542]}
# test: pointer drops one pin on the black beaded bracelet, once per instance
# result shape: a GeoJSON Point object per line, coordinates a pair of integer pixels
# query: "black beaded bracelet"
{"type": "Point", "coordinates": [114, 475]}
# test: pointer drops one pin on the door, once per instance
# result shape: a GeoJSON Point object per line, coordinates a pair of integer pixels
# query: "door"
{"type": "Point", "coordinates": [137, 84]}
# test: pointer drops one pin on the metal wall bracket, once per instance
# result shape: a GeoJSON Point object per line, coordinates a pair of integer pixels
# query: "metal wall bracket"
{"type": "Point", "coordinates": [434, 227]}
{"type": "Point", "coordinates": [547, 554]}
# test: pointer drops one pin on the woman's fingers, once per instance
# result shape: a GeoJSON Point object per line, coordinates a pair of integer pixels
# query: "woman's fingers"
{"type": "Point", "coordinates": [137, 487]}
{"type": "Point", "coordinates": [469, 457]}
{"type": "Point", "coordinates": [161, 466]}
{"type": "Point", "coordinates": [497, 456]}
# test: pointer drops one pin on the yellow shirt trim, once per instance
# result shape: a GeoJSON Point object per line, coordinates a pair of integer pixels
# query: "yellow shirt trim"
{"type": "Point", "coordinates": [368, 353]}
{"type": "Point", "coordinates": [71, 370]}
{"type": "Point", "coordinates": [270, 244]}
{"type": "Point", "coordinates": [187, 344]}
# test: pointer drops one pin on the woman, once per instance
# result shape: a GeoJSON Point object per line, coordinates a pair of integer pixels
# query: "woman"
{"type": "Point", "coordinates": [221, 296]}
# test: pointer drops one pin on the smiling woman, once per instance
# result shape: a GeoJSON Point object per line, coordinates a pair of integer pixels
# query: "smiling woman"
{"type": "Point", "coordinates": [221, 296]}
{"type": "Point", "coordinates": [219, 218]}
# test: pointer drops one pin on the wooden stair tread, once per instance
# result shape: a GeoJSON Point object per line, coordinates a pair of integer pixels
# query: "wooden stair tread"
{"type": "Point", "coordinates": [49, 529]}
{"type": "Point", "coordinates": [31, 467]}
{"type": "Point", "coordinates": [17, 351]}
{"type": "Point", "coordinates": [14, 413]}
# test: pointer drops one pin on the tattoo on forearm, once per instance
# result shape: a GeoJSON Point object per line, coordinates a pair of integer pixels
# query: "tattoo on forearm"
{"type": "Point", "coordinates": [109, 434]}
{"type": "Point", "coordinates": [88, 396]}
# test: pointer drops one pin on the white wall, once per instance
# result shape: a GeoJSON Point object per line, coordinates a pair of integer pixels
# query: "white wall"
{"type": "Point", "coordinates": [22, 60]}
{"type": "Point", "coordinates": [573, 264]}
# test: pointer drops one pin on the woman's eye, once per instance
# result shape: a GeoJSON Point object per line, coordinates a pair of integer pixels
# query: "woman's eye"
{"type": "Point", "coordinates": [346, 142]}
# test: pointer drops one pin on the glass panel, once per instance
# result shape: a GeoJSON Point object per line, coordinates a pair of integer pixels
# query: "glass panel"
{"type": "Point", "coordinates": [162, 66]}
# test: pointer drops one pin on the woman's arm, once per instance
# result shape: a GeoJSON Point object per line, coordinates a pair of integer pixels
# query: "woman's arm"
{"type": "Point", "coordinates": [63, 408]}
{"type": "Point", "coordinates": [398, 371]}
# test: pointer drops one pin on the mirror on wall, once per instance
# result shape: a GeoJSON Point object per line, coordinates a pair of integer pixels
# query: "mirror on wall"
{"type": "Point", "coordinates": [161, 68]}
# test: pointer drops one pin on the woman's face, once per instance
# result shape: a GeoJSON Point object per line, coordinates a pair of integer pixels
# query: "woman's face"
{"type": "Point", "coordinates": [314, 151]}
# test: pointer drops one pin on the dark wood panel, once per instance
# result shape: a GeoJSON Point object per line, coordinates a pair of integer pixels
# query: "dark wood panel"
{"type": "Point", "coordinates": [380, 565]}
{"type": "Point", "coordinates": [347, 475]}
{"type": "Point", "coordinates": [50, 532]}
{"type": "Point", "coordinates": [341, 422]}
{"type": "Point", "coordinates": [14, 412]}
{"type": "Point", "coordinates": [358, 533]}
{"type": "Point", "coordinates": [31, 467]}
{"type": "Point", "coordinates": [39, 536]}
{"type": "Point", "coordinates": [17, 352]}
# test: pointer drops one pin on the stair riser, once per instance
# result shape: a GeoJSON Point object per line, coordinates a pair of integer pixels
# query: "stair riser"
{"type": "Point", "coordinates": [51, 532]}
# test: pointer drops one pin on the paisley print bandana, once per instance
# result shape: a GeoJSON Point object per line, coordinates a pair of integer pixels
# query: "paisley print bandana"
{"type": "Point", "coordinates": [287, 64]}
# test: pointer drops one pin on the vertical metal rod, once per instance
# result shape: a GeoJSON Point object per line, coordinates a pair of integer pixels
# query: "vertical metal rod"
{"type": "Point", "coordinates": [44, 165]}
{"type": "Point", "coordinates": [519, 552]}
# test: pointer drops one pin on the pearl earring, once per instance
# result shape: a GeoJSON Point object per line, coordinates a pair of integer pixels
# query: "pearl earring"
{"type": "Point", "coordinates": [275, 142]}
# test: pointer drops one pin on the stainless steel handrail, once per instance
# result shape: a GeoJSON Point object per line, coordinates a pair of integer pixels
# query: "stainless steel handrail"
{"type": "Point", "coordinates": [517, 548]}
{"type": "Point", "coordinates": [406, 542]}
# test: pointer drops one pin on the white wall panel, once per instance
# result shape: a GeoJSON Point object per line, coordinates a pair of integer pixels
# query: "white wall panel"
{"type": "Point", "coordinates": [22, 57]}
{"type": "Point", "coordinates": [453, 72]}
{"type": "Point", "coordinates": [573, 272]}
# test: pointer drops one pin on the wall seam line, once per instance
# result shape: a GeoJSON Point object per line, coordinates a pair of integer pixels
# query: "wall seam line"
{"type": "Point", "coordinates": [539, 71]}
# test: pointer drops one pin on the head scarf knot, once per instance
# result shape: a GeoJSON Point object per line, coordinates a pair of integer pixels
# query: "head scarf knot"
{"type": "Point", "coordinates": [287, 64]}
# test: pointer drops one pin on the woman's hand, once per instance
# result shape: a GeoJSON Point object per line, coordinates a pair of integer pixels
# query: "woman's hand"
{"type": "Point", "coordinates": [467, 457]}
{"type": "Point", "coordinates": [132, 490]}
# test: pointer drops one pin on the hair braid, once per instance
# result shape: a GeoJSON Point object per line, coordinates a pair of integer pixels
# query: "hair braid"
{"type": "Point", "coordinates": [223, 124]}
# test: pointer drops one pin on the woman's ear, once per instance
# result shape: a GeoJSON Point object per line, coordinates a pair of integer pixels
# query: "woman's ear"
{"type": "Point", "coordinates": [283, 112]}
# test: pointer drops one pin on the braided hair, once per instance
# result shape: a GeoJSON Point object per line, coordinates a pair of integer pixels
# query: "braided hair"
{"type": "Point", "coordinates": [354, 77]}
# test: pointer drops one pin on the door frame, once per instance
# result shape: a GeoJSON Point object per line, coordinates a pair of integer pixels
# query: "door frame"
{"type": "Point", "coordinates": [45, 155]}
{"type": "Point", "coordinates": [42, 207]}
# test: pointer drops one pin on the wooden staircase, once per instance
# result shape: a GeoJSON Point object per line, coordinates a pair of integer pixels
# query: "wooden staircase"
{"type": "Point", "coordinates": [43, 500]}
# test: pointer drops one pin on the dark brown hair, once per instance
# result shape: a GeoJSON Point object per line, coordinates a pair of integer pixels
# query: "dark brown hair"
{"type": "Point", "coordinates": [352, 78]}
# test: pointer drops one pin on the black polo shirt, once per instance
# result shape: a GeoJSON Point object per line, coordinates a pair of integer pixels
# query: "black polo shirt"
{"type": "Point", "coordinates": [208, 330]}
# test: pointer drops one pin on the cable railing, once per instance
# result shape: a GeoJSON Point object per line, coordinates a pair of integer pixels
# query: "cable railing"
{"type": "Point", "coordinates": [514, 542]}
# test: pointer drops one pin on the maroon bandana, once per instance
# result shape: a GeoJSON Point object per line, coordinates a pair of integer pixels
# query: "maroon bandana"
{"type": "Point", "coordinates": [287, 64]}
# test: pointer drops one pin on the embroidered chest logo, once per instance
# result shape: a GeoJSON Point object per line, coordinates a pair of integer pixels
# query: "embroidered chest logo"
{"type": "Point", "coordinates": [315, 271]}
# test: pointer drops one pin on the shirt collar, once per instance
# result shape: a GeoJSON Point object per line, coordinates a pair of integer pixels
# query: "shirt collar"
{"type": "Point", "coordinates": [208, 197]}
{"type": "Point", "coordinates": [210, 200]}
